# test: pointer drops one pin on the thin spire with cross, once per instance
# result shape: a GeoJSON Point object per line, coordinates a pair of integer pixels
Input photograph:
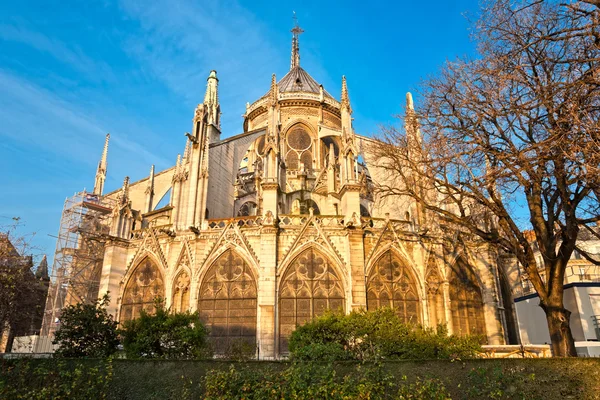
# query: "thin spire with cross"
{"type": "Point", "coordinates": [296, 31]}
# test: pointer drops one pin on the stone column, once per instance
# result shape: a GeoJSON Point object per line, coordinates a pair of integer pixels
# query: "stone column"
{"type": "Point", "coordinates": [113, 270]}
{"type": "Point", "coordinates": [267, 293]}
{"type": "Point", "coordinates": [355, 255]}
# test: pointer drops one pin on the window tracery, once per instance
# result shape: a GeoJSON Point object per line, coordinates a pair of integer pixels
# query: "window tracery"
{"type": "Point", "coordinates": [227, 301]}
{"type": "Point", "coordinates": [299, 149]}
{"type": "Point", "coordinates": [309, 287]}
{"type": "Point", "coordinates": [466, 301]}
{"type": "Point", "coordinates": [144, 286]}
{"type": "Point", "coordinates": [181, 293]}
{"type": "Point", "coordinates": [390, 284]}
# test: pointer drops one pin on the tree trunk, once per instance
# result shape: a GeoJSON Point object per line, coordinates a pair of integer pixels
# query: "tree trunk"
{"type": "Point", "coordinates": [563, 344]}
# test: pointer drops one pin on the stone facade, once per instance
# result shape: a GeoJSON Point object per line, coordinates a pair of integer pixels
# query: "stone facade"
{"type": "Point", "coordinates": [266, 229]}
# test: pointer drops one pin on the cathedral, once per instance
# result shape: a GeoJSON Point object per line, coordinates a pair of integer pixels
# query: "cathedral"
{"type": "Point", "coordinates": [268, 228]}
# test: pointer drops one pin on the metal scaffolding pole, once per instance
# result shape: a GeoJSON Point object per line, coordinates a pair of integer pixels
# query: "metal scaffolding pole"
{"type": "Point", "coordinates": [77, 265]}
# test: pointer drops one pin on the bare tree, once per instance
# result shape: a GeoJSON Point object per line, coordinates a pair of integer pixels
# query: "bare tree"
{"type": "Point", "coordinates": [22, 291]}
{"type": "Point", "coordinates": [518, 126]}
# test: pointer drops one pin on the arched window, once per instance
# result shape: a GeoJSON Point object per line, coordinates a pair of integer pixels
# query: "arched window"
{"type": "Point", "coordinates": [390, 284]}
{"type": "Point", "coordinates": [299, 146]}
{"type": "Point", "coordinates": [181, 293]}
{"type": "Point", "coordinates": [311, 203]}
{"type": "Point", "coordinates": [309, 287]}
{"type": "Point", "coordinates": [435, 294]}
{"type": "Point", "coordinates": [227, 301]}
{"type": "Point", "coordinates": [247, 209]}
{"type": "Point", "coordinates": [364, 211]}
{"type": "Point", "coordinates": [466, 302]}
{"type": "Point", "coordinates": [144, 286]}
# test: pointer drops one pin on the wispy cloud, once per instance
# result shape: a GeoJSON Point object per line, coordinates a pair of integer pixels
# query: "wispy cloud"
{"type": "Point", "coordinates": [181, 41]}
{"type": "Point", "coordinates": [44, 120]}
{"type": "Point", "coordinates": [71, 54]}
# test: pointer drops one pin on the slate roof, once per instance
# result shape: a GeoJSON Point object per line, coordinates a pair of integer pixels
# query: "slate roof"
{"type": "Point", "coordinates": [298, 80]}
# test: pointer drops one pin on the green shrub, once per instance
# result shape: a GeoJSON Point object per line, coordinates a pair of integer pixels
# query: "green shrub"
{"type": "Point", "coordinates": [423, 389]}
{"type": "Point", "coordinates": [317, 381]}
{"type": "Point", "coordinates": [165, 335]}
{"type": "Point", "coordinates": [372, 335]}
{"type": "Point", "coordinates": [498, 383]}
{"type": "Point", "coordinates": [87, 330]}
{"type": "Point", "coordinates": [55, 379]}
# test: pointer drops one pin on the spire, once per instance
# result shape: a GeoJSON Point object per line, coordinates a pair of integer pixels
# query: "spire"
{"type": "Point", "coordinates": [273, 90]}
{"type": "Point", "coordinates": [411, 121]}
{"type": "Point", "coordinates": [150, 187]}
{"type": "Point", "coordinates": [211, 99]}
{"type": "Point", "coordinates": [296, 31]}
{"type": "Point", "coordinates": [101, 171]}
{"type": "Point", "coordinates": [42, 270]}
{"type": "Point", "coordinates": [212, 96]}
{"type": "Point", "coordinates": [409, 102]}
{"type": "Point", "coordinates": [186, 151]}
{"type": "Point", "coordinates": [345, 97]}
{"type": "Point", "coordinates": [123, 197]}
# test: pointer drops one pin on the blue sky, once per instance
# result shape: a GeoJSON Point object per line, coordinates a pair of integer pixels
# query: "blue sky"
{"type": "Point", "coordinates": [72, 71]}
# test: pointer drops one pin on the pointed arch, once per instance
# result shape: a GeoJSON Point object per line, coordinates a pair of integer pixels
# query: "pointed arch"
{"type": "Point", "coordinates": [227, 301]}
{"type": "Point", "coordinates": [466, 300]}
{"type": "Point", "coordinates": [392, 283]}
{"type": "Point", "coordinates": [309, 287]}
{"type": "Point", "coordinates": [144, 286]}
{"type": "Point", "coordinates": [181, 292]}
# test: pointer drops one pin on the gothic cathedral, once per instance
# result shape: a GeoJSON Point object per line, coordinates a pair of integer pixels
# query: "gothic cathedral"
{"type": "Point", "coordinates": [269, 228]}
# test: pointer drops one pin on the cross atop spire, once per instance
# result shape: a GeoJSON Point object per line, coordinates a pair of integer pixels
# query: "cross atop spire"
{"type": "Point", "coordinates": [296, 31]}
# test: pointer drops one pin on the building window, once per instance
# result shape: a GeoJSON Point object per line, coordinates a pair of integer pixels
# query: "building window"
{"type": "Point", "coordinates": [247, 209]}
{"type": "Point", "coordinates": [227, 302]}
{"type": "Point", "coordinates": [144, 286]}
{"type": "Point", "coordinates": [309, 287]}
{"type": "Point", "coordinates": [390, 284]}
{"type": "Point", "coordinates": [466, 302]}
{"type": "Point", "coordinates": [299, 144]}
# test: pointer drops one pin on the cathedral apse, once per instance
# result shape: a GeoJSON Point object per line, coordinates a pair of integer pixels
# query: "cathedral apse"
{"type": "Point", "coordinates": [263, 230]}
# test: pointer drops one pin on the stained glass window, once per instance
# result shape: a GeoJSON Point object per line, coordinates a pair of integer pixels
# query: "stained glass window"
{"type": "Point", "coordinates": [227, 302]}
{"type": "Point", "coordinates": [466, 302]}
{"type": "Point", "coordinates": [144, 286]}
{"type": "Point", "coordinates": [309, 287]}
{"type": "Point", "coordinates": [390, 284]}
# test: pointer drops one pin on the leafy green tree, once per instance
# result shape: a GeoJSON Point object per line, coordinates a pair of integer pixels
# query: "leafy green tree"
{"type": "Point", "coordinates": [165, 335]}
{"type": "Point", "coordinates": [372, 335]}
{"type": "Point", "coordinates": [87, 330]}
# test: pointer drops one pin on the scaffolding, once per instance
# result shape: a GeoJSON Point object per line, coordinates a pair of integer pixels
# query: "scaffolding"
{"type": "Point", "coordinates": [77, 266]}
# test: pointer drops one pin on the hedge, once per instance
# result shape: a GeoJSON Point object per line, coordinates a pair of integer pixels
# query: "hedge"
{"type": "Point", "coordinates": [545, 379]}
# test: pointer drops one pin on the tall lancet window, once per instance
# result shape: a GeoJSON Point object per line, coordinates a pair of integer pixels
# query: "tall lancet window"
{"type": "Point", "coordinates": [144, 286]}
{"type": "Point", "coordinates": [466, 301]}
{"type": "Point", "coordinates": [391, 284]}
{"type": "Point", "coordinates": [309, 286]}
{"type": "Point", "coordinates": [181, 293]}
{"type": "Point", "coordinates": [228, 302]}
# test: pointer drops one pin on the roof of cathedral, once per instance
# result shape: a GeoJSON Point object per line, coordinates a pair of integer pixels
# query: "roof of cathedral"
{"type": "Point", "coordinates": [298, 80]}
